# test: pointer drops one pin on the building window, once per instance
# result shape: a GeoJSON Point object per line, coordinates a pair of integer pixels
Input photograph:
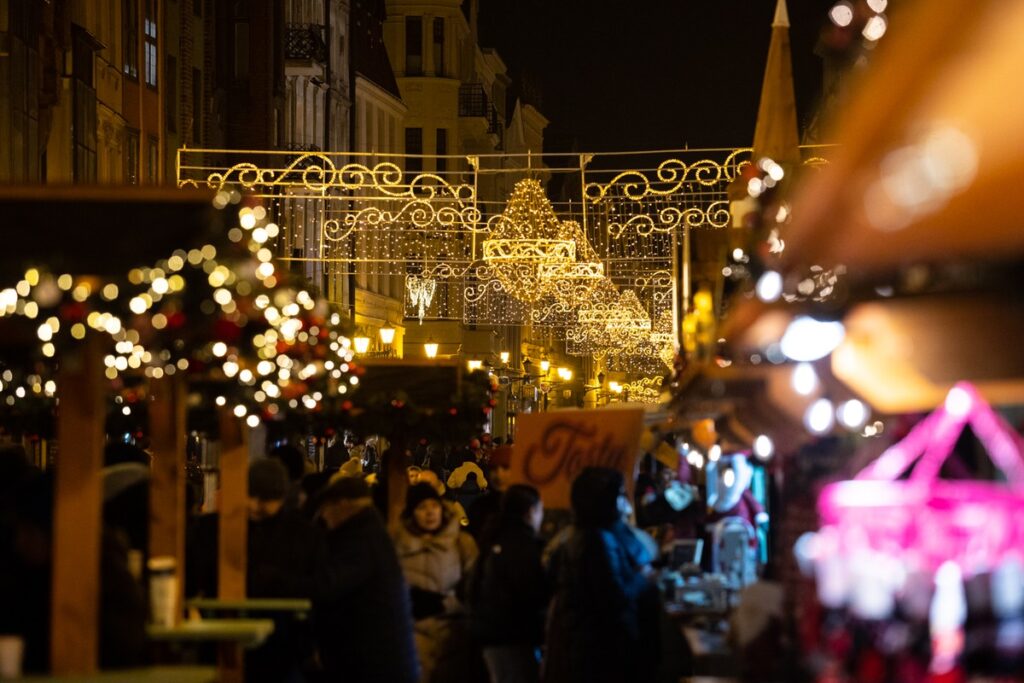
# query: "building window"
{"type": "Point", "coordinates": [83, 130]}
{"type": "Point", "coordinates": [131, 38]}
{"type": "Point", "coordinates": [196, 132]}
{"type": "Point", "coordinates": [131, 157]}
{"type": "Point", "coordinates": [439, 47]}
{"type": "Point", "coordinates": [151, 57]}
{"type": "Point", "coordinates": [442, 149]}
{"type": "Point", "coordinates": [414, 145]}
{"type": "Point", "coordinates": [414, 46]}
{"type": "Point", "coordinates": [171, 93]}
{"type": "Point", "coordinates": [242, 49]}
{"type": "Point", "coordinates": [153, 161]}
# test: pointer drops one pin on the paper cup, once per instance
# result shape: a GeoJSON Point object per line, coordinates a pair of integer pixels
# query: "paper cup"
{"type": "Point", "coordinates": [12, 651]}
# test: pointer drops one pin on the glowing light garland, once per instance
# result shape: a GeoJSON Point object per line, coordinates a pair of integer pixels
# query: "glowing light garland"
{"type": "Point", "coordinates": [421, 293]}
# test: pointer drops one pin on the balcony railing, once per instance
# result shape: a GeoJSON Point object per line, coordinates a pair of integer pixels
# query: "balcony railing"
{"type": "Point", "coordinates": [305, 42]}
{"type": "Point", "coordinates": [473, 101]}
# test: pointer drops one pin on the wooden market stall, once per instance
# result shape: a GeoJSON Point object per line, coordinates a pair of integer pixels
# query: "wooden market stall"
{"type": "Point", "coordinates": [97, 233]}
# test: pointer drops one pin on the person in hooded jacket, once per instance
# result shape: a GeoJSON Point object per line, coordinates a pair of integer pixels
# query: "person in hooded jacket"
{"type": "Point", "coordinates": [361, 611]}
{"type": "Point", "coordinates": [436, 556]}
{"type": "Point", "coordinates": [508, 593]}
{"type": "Point", "coordinates": [597, 618]}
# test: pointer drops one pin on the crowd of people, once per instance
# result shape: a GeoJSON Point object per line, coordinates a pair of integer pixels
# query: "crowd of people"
{"type": "Point", "coordinates": [460, 588]}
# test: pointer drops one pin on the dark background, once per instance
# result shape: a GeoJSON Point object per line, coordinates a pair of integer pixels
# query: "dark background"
{"type": "Point", "coordinates": [617, 75]}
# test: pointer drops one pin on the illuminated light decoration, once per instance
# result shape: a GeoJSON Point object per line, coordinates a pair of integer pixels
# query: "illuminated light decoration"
{"type": "Point", "coordinates": [626, 314]}
{"type": "Point", "coordinates": [769, 286]}
{"type": "Point", "coordinates": [820, 417]}
{"type": "Point", "coordinates": [572, 282]}
{"type": "Point", "coordinates": [524, 237]}
{"type": "Point", "coordinates": [763, 447]}
{"type": "Point", "coordinates": [714, 453]}
{"type": "Point", "coordinates": [421, 293]}
{"type": "Point", "coordinates": [852, 414]}
{"type": "Point", "coordinates": [807, 339]}
{"type": "Point", "coordinates": [804, 380]}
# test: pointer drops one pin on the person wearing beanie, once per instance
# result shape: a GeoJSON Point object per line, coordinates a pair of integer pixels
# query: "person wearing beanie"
{"type": "Point", "coordinates": [435, 555]}
{"type": "Point", "coordinates": [482, 510]}
{"type": "Point", "coordinates": [283, 551]}
{"type": "Point", "coordinates": [361, 611]}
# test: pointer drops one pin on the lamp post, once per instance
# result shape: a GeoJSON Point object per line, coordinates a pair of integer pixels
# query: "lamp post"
{"type": "Point", "coordinates": [387, 338]}
{"type": "Point", "coordinates": [430, 348]}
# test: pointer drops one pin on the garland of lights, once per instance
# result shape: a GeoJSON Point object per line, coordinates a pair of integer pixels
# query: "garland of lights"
{"type": "Point", "coordinates": [224, 314]}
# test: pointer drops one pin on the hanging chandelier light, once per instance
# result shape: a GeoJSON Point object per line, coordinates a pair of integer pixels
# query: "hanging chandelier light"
{"type": "Point", "coordinates": [421, 293]}
{"type": "Point", "coordinates": [626, 315]}
{"type": "Point", "coordinates": [573, 282]}
{"type": "Point", "coordinates": [524, 237]}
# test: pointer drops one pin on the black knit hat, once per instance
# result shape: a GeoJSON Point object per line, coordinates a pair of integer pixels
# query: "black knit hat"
{"type": "Point", "coordinates": [418, 493]}
{"type": "Point", "coordinates": [268, 479]}
{"type": "Point", "coordinates": [343, 488]}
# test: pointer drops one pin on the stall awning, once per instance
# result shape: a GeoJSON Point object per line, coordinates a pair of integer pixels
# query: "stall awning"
{"type": "Point", "coordinates": [929, 164]}
{"type": "Point", "coordinates": [904, 355]}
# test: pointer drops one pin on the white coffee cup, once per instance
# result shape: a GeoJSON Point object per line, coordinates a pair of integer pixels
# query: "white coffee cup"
{"type": "Point", "coordinates": [163, 591]}
{"type": "Point", "coordinates": [12, 651]}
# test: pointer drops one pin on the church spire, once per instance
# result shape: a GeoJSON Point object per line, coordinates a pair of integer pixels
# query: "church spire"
{"type": "Point", "coordinates": [776, 134]}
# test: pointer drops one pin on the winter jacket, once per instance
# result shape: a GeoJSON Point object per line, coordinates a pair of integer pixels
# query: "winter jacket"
{"type": "Point", "coordinates": [362, 613]}
{"type": "Point", "coordinates": [594, 627]}
{"type": "Point", "coordinates": [434, 566]}
{"type": "Point", "coordinates": [508, 593]}
{"type": "Point", "coordinates": [435, 562]}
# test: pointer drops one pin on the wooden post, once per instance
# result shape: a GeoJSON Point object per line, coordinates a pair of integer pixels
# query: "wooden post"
{"type": "Point", "coordinates": [233, 530]}
{"type": "Point", "coordinates": [78, 498]}
{"type": "Point", "coordinates": [167, 515]}
{"type": "Point", "coordinates": [232, 506]}
{"type": "Point", "coordinates": [396, 479]}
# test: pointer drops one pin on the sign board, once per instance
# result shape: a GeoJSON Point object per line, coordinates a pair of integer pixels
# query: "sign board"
{"type": "Point", "coordinates": [552, 448]}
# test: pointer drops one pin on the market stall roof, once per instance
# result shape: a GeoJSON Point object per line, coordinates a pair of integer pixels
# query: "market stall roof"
{"type": "Point", "coordinates": [929, 162]}
{"type": "Point", "coordinates": [744, 401]}
{"type": "Point", "coordinates": [101, 229]}
{"type": "Point", "coordinates": [904, 355]}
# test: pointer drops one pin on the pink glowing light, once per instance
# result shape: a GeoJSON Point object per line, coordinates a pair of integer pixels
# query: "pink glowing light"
{"type": "Point", "coordinates": [927, 521]}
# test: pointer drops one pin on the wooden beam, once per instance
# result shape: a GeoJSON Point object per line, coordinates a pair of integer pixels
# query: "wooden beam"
{"type": "Point", "coordinates": [78, 497]}
{"type": "Point", "coordinates": [167, 481]}
{"type": "Point", "coordinates": [233, 530]}
{"type": "Point", "coordinates": [232, 506]}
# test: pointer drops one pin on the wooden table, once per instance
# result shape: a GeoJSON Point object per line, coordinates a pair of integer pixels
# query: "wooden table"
{"type": "Point", "coordinates": [153, 674]}
{"type": "Point", "coordinates": [299, 607]}
{"type": "Point", "coordinates": [243, 632]}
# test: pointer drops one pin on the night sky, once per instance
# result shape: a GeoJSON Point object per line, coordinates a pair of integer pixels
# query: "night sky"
{"type": "Point", "coordinates": [650, 74]}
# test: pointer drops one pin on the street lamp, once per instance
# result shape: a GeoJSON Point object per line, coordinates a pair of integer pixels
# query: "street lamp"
{"type": "Point", "coordinates": [472, 365]}
{"type": "Point", "coordinates": [565, 374]}
{"type": "Point", "coordinates": [545, 365]}
{"type": "Point", "coordinates": [430, 348]}
{"type": "Point", "coordinates": [387, 335]}
{"type": "Point", "coordinates": [504, 355]}
{"type": "Point", "coordinates": [361, 344]}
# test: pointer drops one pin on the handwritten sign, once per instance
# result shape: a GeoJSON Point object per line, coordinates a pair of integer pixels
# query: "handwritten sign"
{"type": "Point", "coordinates": [552, 448]}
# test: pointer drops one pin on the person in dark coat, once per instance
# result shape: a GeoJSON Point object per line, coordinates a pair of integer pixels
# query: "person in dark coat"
{"type": "Point", "coordinates": [508, 593]}
{"type": "Point", "coordinates": [284, 550]}
{"type": "Point", "coordinates": [484, 509]}
{"type": "Point", "coordinates": [363, 618]}
{"type": "Point", "coordinates": [595, 622]}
